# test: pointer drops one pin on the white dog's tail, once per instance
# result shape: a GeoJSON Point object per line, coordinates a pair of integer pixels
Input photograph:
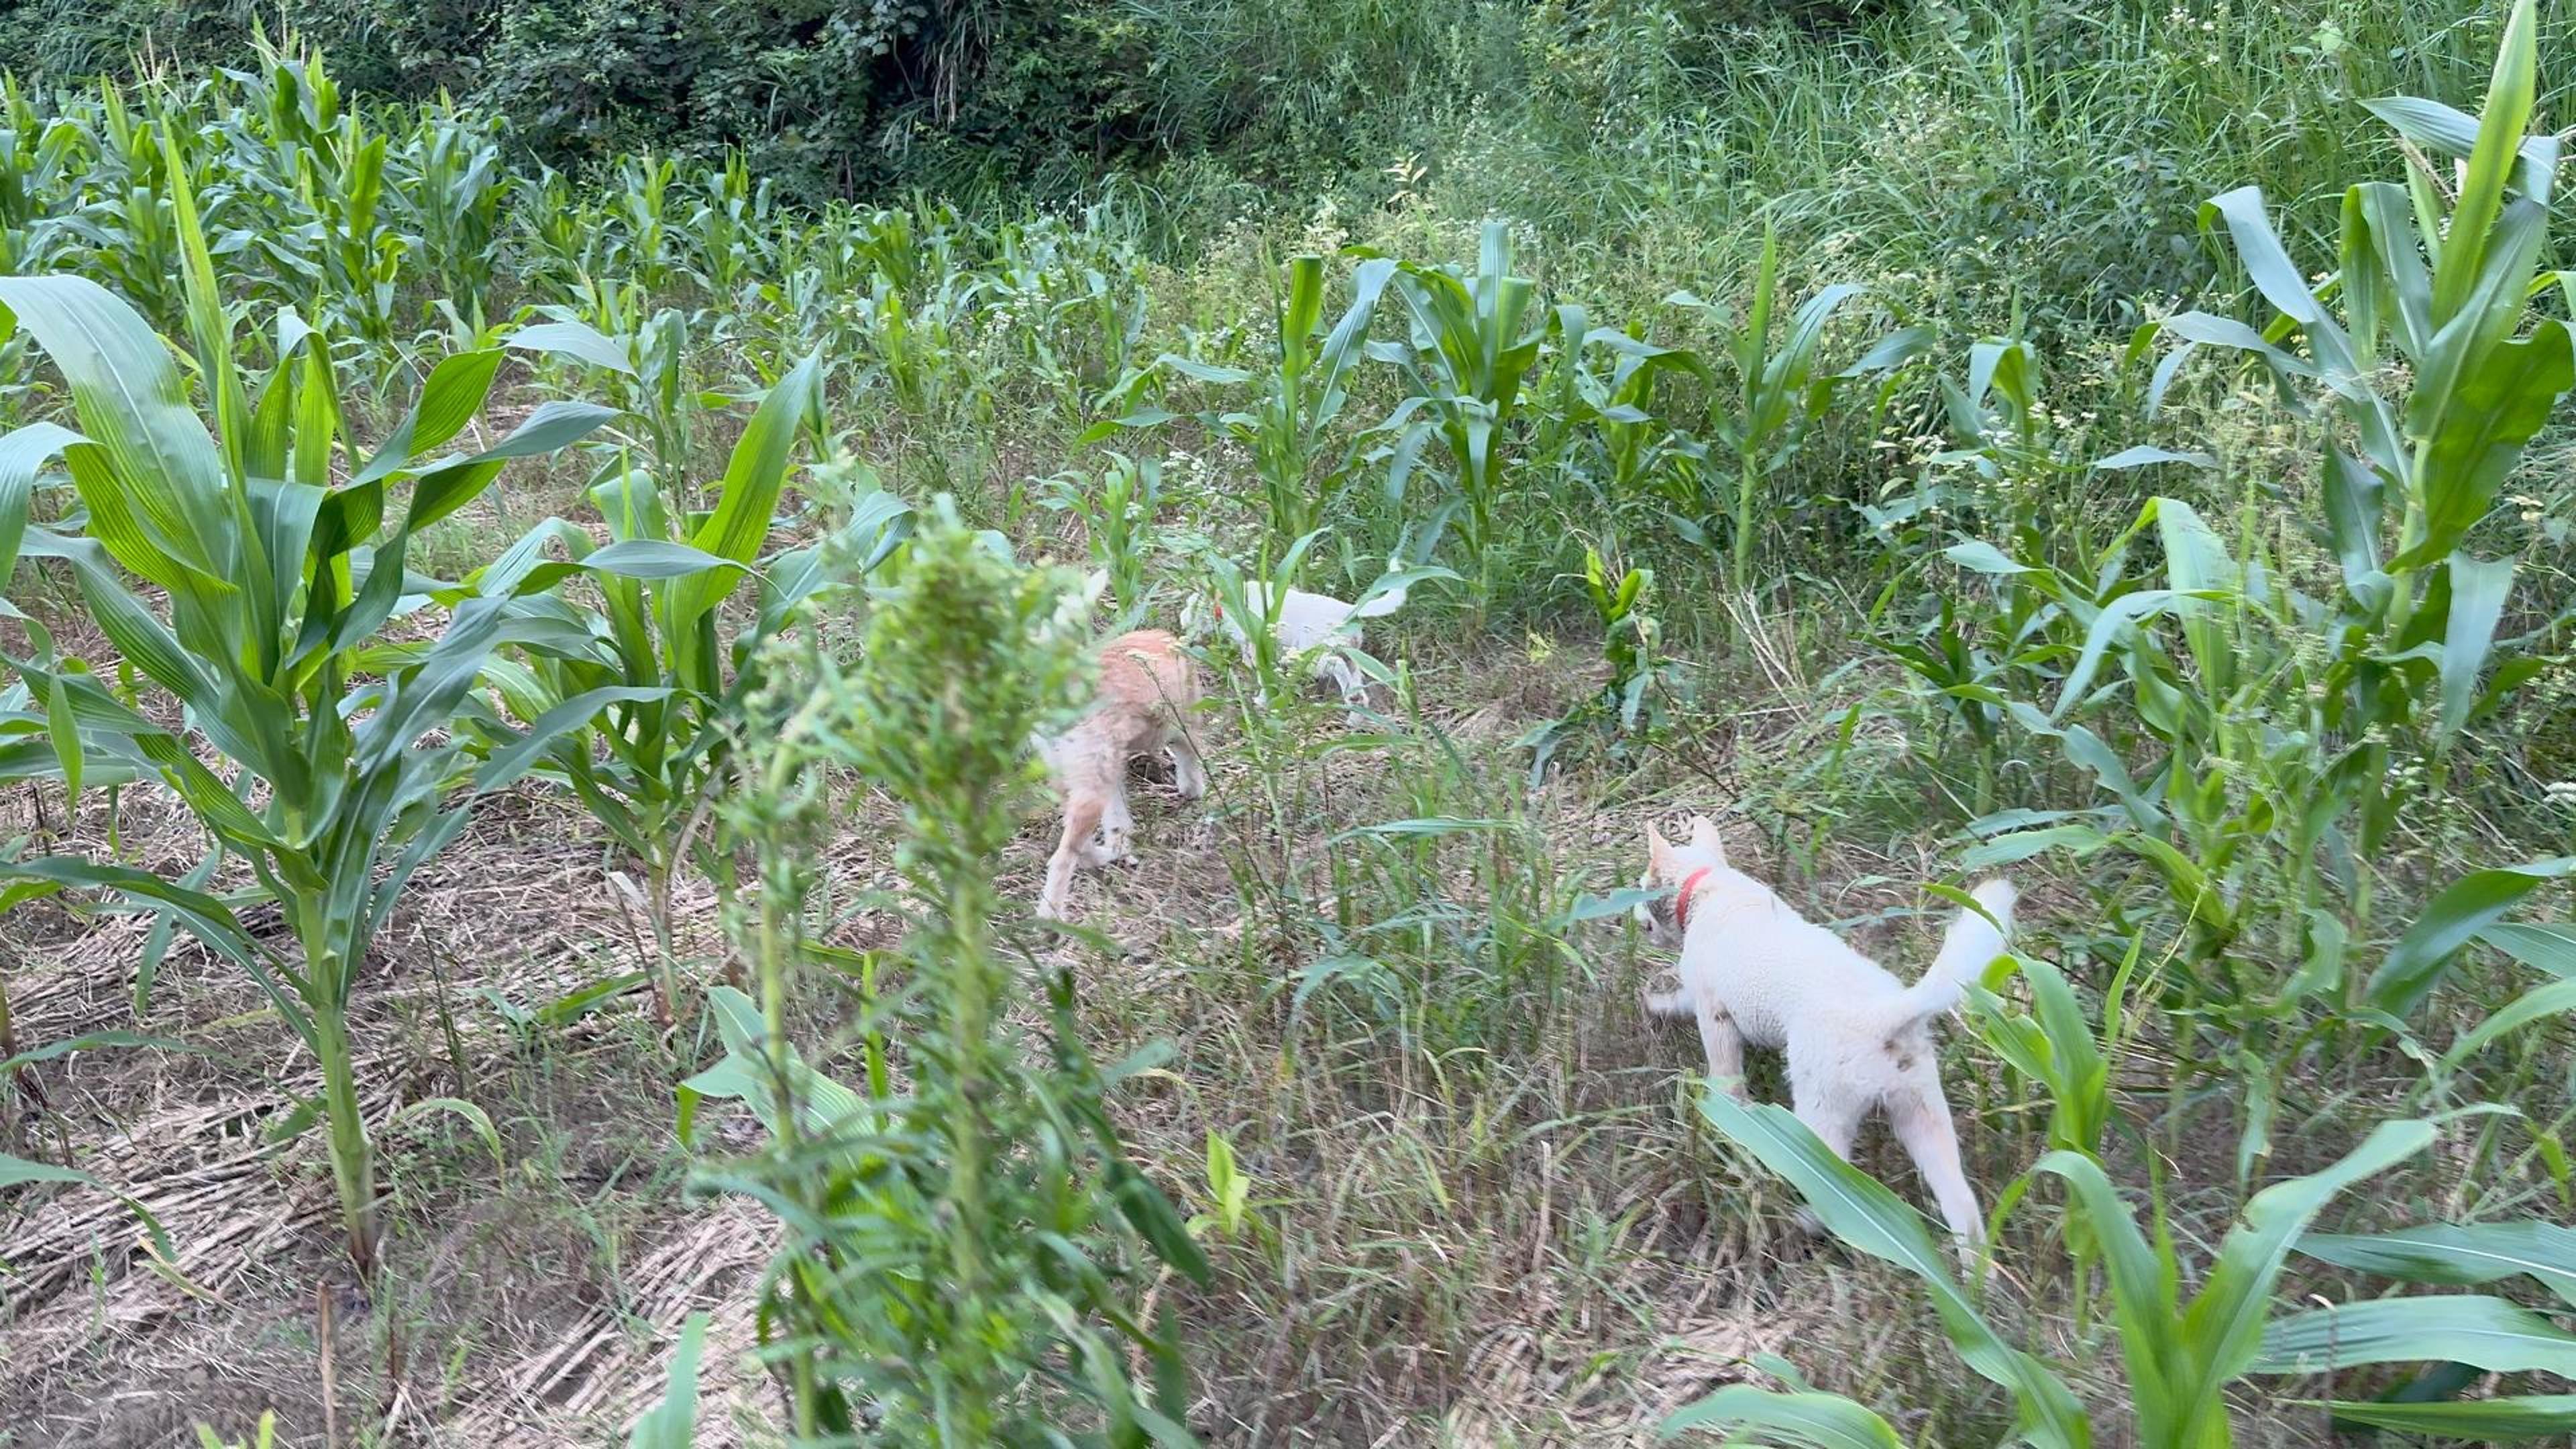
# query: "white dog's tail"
{"type": "Point", "coordinates": [1972, 945]}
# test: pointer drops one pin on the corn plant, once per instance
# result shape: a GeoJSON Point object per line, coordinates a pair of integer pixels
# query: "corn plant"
{"type": "Point", "coordinates": [1117, 516]}
{"type": "Point", "coordinates": [1775, 392]}
{"type": "Point", "coordinates": [640, 357]}
{"type": "Point", "coordinates": [1602, 426]}
{"type": "Point", "coordinates": [1298, 396]}
{"type": "Point", "coordinates": [2285, 728]}
{"type": "Point", "coordinates": [2182, 1354]}
{"type": "Point", "coordinates": [343, 780]}
{"type": "Point", "coordinates": [661, 669]}
{"type": "Point", "coordinates": [960, 1238]}
{"type": "Point", "coordinates": [1471, 344]}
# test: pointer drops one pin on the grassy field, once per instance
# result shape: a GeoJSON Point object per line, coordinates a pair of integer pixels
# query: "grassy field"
{"type": "Point", "coordinates": [519, 834]}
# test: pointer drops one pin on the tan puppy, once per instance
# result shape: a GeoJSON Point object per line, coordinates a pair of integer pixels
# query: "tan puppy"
{"type": "Point", "coordinates": [1147, 689]}
{"type": "Point", "coordinates": [1754, 971]}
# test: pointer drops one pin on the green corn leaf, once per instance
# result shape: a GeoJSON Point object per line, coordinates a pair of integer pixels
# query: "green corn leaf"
{"type": "Point", "coordinates": [2550, 949]}
{"type": "Point", "coordinates": [208, 919]}
{"type": "Point", "coordinates": [2417, 963]}
{"type": "Point", "coordinates": [450, 400]}
{"type": "Point", "coordinates": [2450, 131]}
{"type": "Point", "coordinates": [2478, 591]}
{"type": "Point", "coordinates": [65, 732]}
{"type": "Point", "coordinates": [577, 340]}
{"type": "Point", "coordinates": [513, 760]}
{"type": "Point", "coordinates": [2499, 403]}
{"type": "Point", "coordinates": [2223, 1329]}
{"type": "Point", "coordinates": [2144, 1286]}
{"type": "Point", "coordinates": [1803, 1421]}
{"type": "Point", "coordinates": [2536, 1005]}
{"type": "Point", "coordinates": [2488, 1333]}
{"type": "Point", "coordinates": [2499, 142]}
{"type": "Point", "coordinates": [752, 483]}
{"type": "Point", "coordinates": [2116, 617]}
{"type": "Point", "coordinates": [2480, 1421]}
{"type": "Point", "coordinates": [1868, 1218]}
{"type": "Point", "coordinates": [653, 558]}
{"type": "Point", "coordinates": [2259, 247]}
{"type": "Point", "coordinates": [2352, 497]}
{"type": "Point", "coordinates": [2458, 1254]}
{"type": "Point", "coordinates": [162, 479]}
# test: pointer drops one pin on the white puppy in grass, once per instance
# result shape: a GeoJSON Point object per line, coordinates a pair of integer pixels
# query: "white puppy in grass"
{"type": "Point", "coordinates": [1315, 627]}
{"type": "Point", "coordinates": [1753, 970]}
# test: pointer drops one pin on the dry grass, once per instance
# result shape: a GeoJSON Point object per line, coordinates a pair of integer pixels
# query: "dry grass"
{"type": "Point", "coordinates": [1494, 1230]}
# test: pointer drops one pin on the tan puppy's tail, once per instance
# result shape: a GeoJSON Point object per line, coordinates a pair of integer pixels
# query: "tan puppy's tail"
{"type": "Point", "coordinates": [1972, 945]}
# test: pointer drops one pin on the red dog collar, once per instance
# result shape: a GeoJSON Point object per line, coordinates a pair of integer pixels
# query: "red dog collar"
{"type": "Point", "coordinates": [1681, 904]}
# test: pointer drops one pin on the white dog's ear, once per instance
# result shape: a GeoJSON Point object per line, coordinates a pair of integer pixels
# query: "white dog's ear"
{"type": "Point", "coordinates": [1659, 853]}
{"type": "Point", "coordinates": [1704, 837]}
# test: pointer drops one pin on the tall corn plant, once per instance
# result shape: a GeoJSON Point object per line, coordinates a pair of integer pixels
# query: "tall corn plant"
{"type": "Point", "coordinates": [1296, 399]}
{"type": "Point", "coordinates": [2435, 286]}
{"type": "Point", "coordinates": [1775, 391]}
{"type": "Point", "coordinates": [332, 776]}
{"type": "Point", "coordinates": [2310, 707]}
{"type": "Point", "coordinates": [663, 664]}
{"type": "Point", "coordinates": [1471, 343]}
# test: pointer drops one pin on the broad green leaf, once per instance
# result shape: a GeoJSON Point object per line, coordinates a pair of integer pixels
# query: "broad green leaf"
{"type": "Point", "coordinates": [2535, 1005]}
{"type": "Point", "coordinates": [577, 340]}
{"type": "Point", "coordinates": [2415, 965]}
{"type": "Point", "coordinates": [1805, 1421]}
{"type": "Point", "coordinates": [2500, 403]}
{"type": "Point", "coordinates": [2259, 248]}
{"type": "Point", "coordinates": [2481, 1421]}
{"type": "Point", "coordinates": [2458, 1254]}
{"type": "Point", "coordinates": [2352, 498]}
{"type": "Point", "coordinates": [2224, 1326]}
{"type": "Point", "coordinates": [449, 400]}
{"type": "Point", "coordinates": [1978, 556]}
{"type": "Point", "coordinates": [752, 482]}
{"type": "Point", "coordinates": [2143, 456]}
{"type": "Point", "coordinates": [1858, 1209]}
{"type": "Point", "coordinates": [653, 558]}
{"type": "Point", "coordinates": [2491, 159]}
{"type": "Point", "coordinates": [2550, 949]}
{"type": "Point", "coordinates": [2488, 1333]}
{"type": "Point", "coordinates": [2478, 591]}
{"type": "Point", "coordinates": [514, 759]}
{"type": "Point", "coordinates": [163, 483]}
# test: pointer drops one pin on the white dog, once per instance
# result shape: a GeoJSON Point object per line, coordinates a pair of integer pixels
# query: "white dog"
{"type": "Point", "coordinates": [1317, 626]}
{"type": "Point", "coordinates": [1752, 970]}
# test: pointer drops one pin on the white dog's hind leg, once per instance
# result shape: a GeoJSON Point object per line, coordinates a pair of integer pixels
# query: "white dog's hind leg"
{"type": "Point", "coordinates": [1834, 1120]}
{"type": "Point", "coordinates": [1920, 1117]}
{"type": "Point", "coordinates": [1724, 1044]}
